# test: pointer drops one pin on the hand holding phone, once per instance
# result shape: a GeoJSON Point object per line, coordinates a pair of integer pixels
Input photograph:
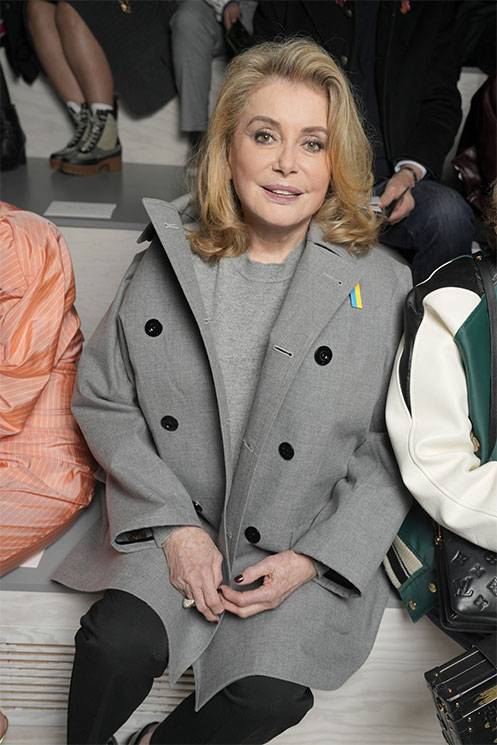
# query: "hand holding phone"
{"type": "Point", "coordinates": [389, 208]}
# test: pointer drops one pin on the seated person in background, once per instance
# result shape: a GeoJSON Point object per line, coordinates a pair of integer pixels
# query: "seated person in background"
{"type": "Point", "coordinates": [438, 410]}
{"type": "Point", "coordinates": [476, 159]}
{"type": "Point", "coordinates": [77, 67]}
{"type": "Point", "coordinates": [197, 36]}
{"type": "Point", "coordinates": [45, 466]}
{"type": "Point", "coordinates": [400, 59]}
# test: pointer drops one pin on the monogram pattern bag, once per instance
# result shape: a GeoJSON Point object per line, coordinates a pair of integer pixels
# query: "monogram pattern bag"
{"type": "Point", "coordinates": [467, 584]}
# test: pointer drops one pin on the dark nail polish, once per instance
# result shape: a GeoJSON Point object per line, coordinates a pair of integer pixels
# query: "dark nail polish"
{"type": "Point", "coordinates": [238, 578]}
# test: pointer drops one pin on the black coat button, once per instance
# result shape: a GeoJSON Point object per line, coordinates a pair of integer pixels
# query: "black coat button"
{"type": "Point", "coordinates": [344, 60]}
{"type": "Point", "coordinates": [198, 507]}
{"type": "Point", "coordinates": [286, 451]}
{"type": "Point", "coordinates": [153, 327]}
{"type": "Point", "coordinates": [252, 534]}
{"type": "Point", "coordinates": [169, 423]}
{"type": "Point", "coordinates": [323, 355]}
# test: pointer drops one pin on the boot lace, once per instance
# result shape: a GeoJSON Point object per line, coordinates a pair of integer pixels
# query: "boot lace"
{"type": "Point", "coordinates": [80, 129]}
{"type": "Point", "coordinates": [95, 132]}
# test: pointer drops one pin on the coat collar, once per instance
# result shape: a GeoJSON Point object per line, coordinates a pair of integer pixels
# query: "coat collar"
{"type": "Point", "coordinates": [323, 279]}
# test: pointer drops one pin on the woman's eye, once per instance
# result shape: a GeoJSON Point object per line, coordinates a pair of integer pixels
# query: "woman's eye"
{"type": "Point", "coordinates": [263, 137]}
{"type": "Point", "coordinates": [314, 145]}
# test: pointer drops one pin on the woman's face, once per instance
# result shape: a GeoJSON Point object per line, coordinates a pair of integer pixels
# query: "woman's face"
{"type": "Point", "coordinates": [278, 157]}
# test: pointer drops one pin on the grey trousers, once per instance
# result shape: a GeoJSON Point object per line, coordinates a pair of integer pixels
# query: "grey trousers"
{"type": "Point", "coordinates": [196, 37]}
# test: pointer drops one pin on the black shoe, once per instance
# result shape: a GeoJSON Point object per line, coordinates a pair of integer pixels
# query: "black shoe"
{"type": "Point", "coordinates": [81, 122]}
{"type": "Point", "coordinates": [111, 741]}
{"type": "Point", "coordinates": [137, 736]}
{"type": "Point", "coordinates": [12, 139]}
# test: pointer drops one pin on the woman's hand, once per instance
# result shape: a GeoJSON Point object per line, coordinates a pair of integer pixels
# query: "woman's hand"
{"type": "Point", "coordinates": [194, 563]}
{"type": "Point", "coordinates": [283, 573]}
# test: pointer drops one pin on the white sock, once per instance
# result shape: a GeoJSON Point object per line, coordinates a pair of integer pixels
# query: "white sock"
{"type": "Point", "coordinates": [74, 107]}
{"type": "Point", "coordinates": [96, 107]}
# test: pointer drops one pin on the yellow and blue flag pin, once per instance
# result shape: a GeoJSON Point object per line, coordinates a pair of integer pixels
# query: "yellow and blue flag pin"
{"type": "Point", "coordinates": [356, 297]}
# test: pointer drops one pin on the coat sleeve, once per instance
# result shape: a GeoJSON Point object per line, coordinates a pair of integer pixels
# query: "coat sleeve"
{"type": "Point", "coordinates": [432, 437]}
{"type": "Point", "coordinates": [351, 535]}
{"type": "Point", "coordinates": [142, 492]}
{"type": "Point", "coordinates": [432, 134]}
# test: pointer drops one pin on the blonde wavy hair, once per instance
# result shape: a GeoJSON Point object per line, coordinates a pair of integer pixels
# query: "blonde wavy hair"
{"type": "Point", "coordinates": [345, 215]}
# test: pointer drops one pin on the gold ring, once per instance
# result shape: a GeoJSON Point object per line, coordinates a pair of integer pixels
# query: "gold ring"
{"type": "Point", "coordinates": [188, 603]}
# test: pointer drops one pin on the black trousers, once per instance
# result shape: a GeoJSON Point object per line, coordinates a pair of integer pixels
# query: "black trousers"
{"type": "Point", "coordinates": [122, 646]}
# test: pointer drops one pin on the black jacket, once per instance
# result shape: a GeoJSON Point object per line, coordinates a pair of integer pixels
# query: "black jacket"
{"type": "Point", "coordinates": [416, 66]}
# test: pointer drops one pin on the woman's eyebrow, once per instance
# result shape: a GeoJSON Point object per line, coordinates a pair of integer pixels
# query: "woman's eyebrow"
{"type": "Point", "coordinates": [266, 119]}
{"type": "Point", "coordinates": [315, 129]}
{"type": "Point", "coordinates": [274, 123]}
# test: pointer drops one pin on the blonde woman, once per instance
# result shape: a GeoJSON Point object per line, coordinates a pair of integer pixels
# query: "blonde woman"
{"type": "Point", "coordinates": [234, 396]}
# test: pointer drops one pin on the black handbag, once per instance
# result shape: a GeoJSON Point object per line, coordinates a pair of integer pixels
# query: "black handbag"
{"type": "Point", "coordinates": [467, 579]}
{"type": "Point", "coordinates": [467, 573]}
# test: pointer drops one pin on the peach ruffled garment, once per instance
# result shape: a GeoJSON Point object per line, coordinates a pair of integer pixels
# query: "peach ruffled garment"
{"type": "Point", "coordinates": [46, 470]}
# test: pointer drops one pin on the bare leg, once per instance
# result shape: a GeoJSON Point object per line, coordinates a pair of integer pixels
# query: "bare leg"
{"type": "Point", "coordinates": [47, 43]}
{"type": "Point", "coordinates": [85, 55]}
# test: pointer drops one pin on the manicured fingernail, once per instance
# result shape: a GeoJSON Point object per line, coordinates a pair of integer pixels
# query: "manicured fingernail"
{"type": "Point", "coordinates": [238, 578]}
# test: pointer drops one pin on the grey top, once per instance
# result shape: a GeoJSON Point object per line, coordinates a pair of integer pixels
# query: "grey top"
{"type": "Point", "coordinates": [242, 299]}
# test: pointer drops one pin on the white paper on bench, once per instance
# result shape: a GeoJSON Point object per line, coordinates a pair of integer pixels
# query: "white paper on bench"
{"type": "Point", "coordinates": [92, 210]}
{"type": "Point", "coordinates": [33, 561]}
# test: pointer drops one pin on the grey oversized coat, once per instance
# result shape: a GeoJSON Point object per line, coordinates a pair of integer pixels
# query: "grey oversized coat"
{"type": "Point", "coordinates": [339, 499]}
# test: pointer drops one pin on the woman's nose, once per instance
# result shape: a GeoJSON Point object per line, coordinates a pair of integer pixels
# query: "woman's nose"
{"type": "Point", "coordinates": [286, 160]}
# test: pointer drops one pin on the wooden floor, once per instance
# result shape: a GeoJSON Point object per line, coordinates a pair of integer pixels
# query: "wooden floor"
{"type": "Point", "coordinates": [384, 703]}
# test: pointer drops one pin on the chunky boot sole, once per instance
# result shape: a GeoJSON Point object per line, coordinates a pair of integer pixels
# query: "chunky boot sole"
{"type": "Point", "coordinates": [78, 169]}
{"type": "Point", "coordinates": [55, 164]}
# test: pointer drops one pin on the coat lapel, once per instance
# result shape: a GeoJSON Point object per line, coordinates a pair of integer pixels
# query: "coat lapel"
{"type": "Point", "coordinates": [322, 281]}
{"type": "Point", "coordinates": [167, 225]}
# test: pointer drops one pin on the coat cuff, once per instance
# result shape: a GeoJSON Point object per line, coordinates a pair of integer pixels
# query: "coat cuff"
{"type": "Point", "coordinates": [162, 534]}
{"type": "Point", "coordinates": [333, 581]}
{"type": "Point", "coordinates": [335, 567]}
{"type": "Point", "coordinates": [137, 537]}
